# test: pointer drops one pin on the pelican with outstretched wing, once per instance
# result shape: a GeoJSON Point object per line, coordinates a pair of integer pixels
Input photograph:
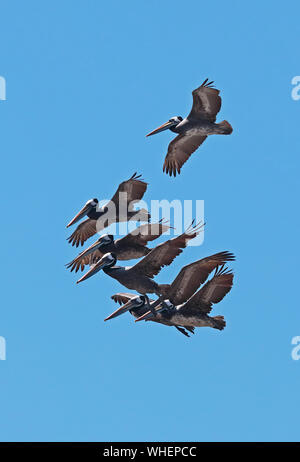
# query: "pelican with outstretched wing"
{"type": "Point", "coordinates": [129, 247]}
{"type": "Point", "coordinates": [181, 292]}
{"type": "Point", "coordinates": [193, 312]}
{"type": "Point", "coordinates": [195, 128]}
{"type": "Point", "coordinates": [140, 276]}
{"type": "Point", "coordinates": [119, 208]}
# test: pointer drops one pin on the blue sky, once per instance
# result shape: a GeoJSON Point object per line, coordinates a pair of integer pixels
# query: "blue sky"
{"type": "Point", "coordinates": [85, 82]}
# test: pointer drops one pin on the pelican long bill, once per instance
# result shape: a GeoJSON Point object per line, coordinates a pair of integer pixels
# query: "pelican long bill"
{"type": "Point", "coordinates": [96, 245]}
{"type": "Point", "coordinates": [145, 316]}
{"type": "Point", "coordinates": [82, 213]}
{"type": "Point", "coordinates": [120, 310]}
{"type": "Point", "coordinates": [93, 270]}
{"type": "Point", "coordinates": [163, 127]}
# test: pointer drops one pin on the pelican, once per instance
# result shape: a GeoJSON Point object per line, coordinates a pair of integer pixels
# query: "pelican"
{"type": "Point", "coordinates": [131, 246]}
{"type": "Point", "coordinates": [195, 128]}
{"type": "Point", "coordinates": [193, 312]}
{"type": "Point", "coordinates": [137, 305]}
{"type": "Point", "coordinates": [119, 208]}
{"type": "Point", "coordinates": [140, 276]}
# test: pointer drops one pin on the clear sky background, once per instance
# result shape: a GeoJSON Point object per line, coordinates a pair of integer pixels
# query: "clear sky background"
{"type": "Point", "coordinates": [85, 82]}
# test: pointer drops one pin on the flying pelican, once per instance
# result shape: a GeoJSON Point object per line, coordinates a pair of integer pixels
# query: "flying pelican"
{"type": "Point", "coordinates": [119, 208]}
{"type": "Point", "coordinates": [140, 276]}
{"type": "Point", "coordinates": [195, 128]}
{"type": "Point", "coordinates": [137, 306]}
{"type": "Point", "coordinates": [184, 316]}
{"type": "Point", "coordinates": [133, 245]}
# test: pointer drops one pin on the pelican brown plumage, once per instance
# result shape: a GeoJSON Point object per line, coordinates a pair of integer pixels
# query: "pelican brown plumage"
{"type": "Point", "coordinates": [195, 128]}
{"type": "Point", "coordinates": [129, 247]}
{"type": "Point", "coordinates": [185, 316]}
{"type": "Point", "coordinates": [119, 208]}
{"type": "Point", "coordinates": [140, 276]}
{"type": "Point", "coordinates": [188, 280]}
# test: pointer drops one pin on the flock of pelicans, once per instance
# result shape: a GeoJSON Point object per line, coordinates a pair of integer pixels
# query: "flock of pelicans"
{"type": "Point", "coordinates": [186, 302]}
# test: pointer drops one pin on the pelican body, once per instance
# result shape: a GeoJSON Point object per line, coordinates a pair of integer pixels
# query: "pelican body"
{"type": "Point", "coordinates": [118, 209]}
{"type": "Point", "coordinates": [132, 279]}
{"type": "Point", "coordinates": [129, 247]}
{"type": "Point", "coordinates": [174, 316]}
{"type": "Point", "coordinates": [194, 129]}
{"type": "Point", "coordinates": [185, 316]}
{"type": "Point", "coordinates": [140, 276]}
{"type": "Point", "coordinates": [138, 306]}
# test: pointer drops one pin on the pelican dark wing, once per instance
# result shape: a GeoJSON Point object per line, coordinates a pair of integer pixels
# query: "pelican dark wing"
{"type": "Point", "coordinates": [206, 102]}
{"type": "Point", "coordinates": [212, 292]}
{"type": "Point", "coordinates": [131, 246]}
{"type": "Point", "coordinates": [123, 297]}
{"type": "Point", "coordinates": [143, 234]}
{"type": "Point", "coordinates": [131, 190]}
{"type": "Point", "coordinates": [82, 260]}
{"type": "Point", "coordinates": [179, 150]}
{"type": "Point", "coordinates": [84, 231]}
{"type": "Point", "coordinates": [165, 253]}
{"type": "Point", "coordinates": [193, 275]}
